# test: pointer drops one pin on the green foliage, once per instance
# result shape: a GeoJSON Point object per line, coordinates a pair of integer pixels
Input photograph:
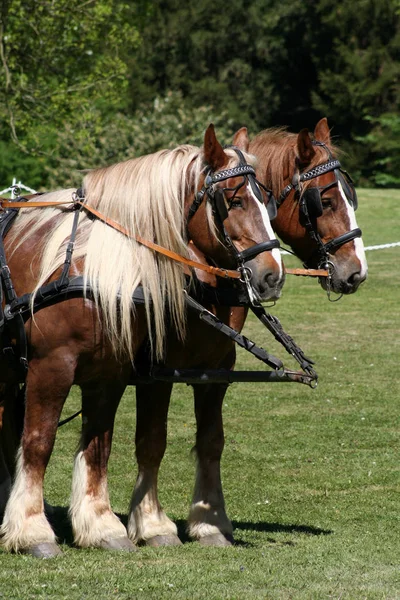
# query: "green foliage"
{"type": "Point", "coordinates": [93, 141]}
{"type": "Point", "coordinates": [24, 167]}
{"type": "Point", "coordinates": [79, 80]}
{"type": "Point", "coordinates": [283, 62]}
{"type": "Point", "coordinates": [60, 59]}
{"type": "Point", "coordinates": [242, 58]}
{"type": "Point", "coordinates": [383, 143]}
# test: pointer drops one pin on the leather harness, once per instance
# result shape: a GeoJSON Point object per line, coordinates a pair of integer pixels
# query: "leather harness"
{"type": "Point", "coordinates": [18, 309]}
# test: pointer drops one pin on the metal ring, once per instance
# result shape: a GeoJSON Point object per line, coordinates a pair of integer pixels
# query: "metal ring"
{"type": "Point", "coordinates": [247, 273]}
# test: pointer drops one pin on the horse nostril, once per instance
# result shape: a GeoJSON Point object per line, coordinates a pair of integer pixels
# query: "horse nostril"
{"type": "Point", "coordinates": [271, 279]}
{"type": "Point", "coordinates": [354, 279]}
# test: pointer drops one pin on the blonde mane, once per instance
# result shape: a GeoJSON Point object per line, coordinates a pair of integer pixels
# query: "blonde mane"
{"type": "Point", "coordinates": [276, 150]}
{"type": "Point", "coordinates": [146, 196]}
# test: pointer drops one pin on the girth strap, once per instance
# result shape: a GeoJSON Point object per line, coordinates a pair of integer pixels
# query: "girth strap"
{"type": "Point", "coordinates": [51, 293]}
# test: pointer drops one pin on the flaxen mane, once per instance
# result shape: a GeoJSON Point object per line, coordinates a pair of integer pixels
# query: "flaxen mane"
{"type": "Point", "coordinates": [146, 196]}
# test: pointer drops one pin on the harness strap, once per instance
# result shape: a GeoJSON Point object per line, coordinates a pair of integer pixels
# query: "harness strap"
{"type": "Point", "coordinates": [219, 272]}
{"type": "Point", "coordinates": [242, 341]}
{"type": "Point", "coordinates": [17, 327]}
{"type": "Point", "coordinates": [169, 253]}
{"type": "Point", "coordinates": [308, 272]}
{"type": "Point", "coordinates": [274, 326]}
{"type": "Point", "coordinates": [5, 204]}
{"type": "Point", "coordinates": [225, 273]}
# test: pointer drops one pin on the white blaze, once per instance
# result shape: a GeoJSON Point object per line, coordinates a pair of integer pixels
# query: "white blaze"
{"type": "Point", "coordinates": [358, 243]}
{"type": "Point", "coordinates": [276, 253]}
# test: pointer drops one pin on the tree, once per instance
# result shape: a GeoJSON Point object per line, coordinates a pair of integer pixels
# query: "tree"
{"type": "Point", "coordinates": [278, 62]}
{"type": "Point", "coordinates": [63, 62]}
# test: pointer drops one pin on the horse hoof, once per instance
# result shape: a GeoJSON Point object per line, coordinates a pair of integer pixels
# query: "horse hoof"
{"type": "Point", "coordinates": [217, 539]}
{"type": "Point", "coordinates": [163, 540]}
{"type": "Point", "coordinates": [44, 550]}
{"type": "Point", "coordinates": [123, 544]}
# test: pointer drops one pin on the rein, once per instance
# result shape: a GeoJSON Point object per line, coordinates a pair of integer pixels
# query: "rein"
{"type": "Point", "coordinates": [226, 273]}
{"type": "Point", "coordinates": [78, 203]}
{"type": "Point", "coordinates": [219, 272]}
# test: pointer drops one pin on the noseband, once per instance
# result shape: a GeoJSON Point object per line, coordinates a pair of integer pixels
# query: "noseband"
{"type": "Point", "coordinates": [311, 206]}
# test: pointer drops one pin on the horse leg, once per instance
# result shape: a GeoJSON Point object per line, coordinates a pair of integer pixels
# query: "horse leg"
{"type": "Point", "coordinates": [5, 479]}
{"type": "Point", "coordinates": [208, 521]}
{"type": "Point", "coordinates": [11, 424]}
{"type": "Point", "coordinates": [148, 522]}
{"type": "Point", "coordinates": [94, 523]}
{"type": "Point", "coordinates": [25, 527]}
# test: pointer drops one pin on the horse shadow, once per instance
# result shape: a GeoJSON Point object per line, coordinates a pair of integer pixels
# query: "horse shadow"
{"type": "Point", "coordinates": [59, 520]}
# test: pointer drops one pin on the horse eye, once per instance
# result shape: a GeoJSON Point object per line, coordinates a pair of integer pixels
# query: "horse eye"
{"type": "Point", "coordinates": [236, 203]}
{"type": "Point", "coordinates": [326, 202]}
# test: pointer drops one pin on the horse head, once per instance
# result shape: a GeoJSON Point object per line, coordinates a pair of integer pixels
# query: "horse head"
{"type": "Point", "coordinates": [229, 219]}
{"type": "Point", "coordinates": [316, 204]}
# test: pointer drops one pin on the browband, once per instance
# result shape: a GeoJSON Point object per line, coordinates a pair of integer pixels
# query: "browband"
{"type": "Point", "coordinates": [227, 173]}
{"type": "Point", "coordinates": [331, 165]}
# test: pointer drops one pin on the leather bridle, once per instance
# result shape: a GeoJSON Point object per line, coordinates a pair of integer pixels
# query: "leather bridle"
{"type": "Point", "coordinates": [221, 207]}
{"type": "Point", "coordinates": [323, 250]}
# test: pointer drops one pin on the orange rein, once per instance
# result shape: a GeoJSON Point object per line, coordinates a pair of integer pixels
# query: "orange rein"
{"type": "Point", "coordinates": [226, 273]}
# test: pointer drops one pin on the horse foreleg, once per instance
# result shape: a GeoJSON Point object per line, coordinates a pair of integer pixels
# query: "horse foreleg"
{"type": "Point", "coordinates": [25, 526]}
{"type": "Point", "coordinates": [94, 523]}
{"type": "Point", "coordinates": [148, 522]}
{"type": "Point", "coordinates": [5, 479]}
{"type": "Point", "coordinates": [11, 423]}
{"type": "Point", "coordinates": [208, 521]}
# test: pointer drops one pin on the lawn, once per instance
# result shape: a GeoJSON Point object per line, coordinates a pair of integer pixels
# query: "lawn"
{"type": "Point", "coordinates": [311, 477]}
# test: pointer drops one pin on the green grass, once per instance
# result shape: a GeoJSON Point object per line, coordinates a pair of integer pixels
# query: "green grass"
{"type": "Point", "coordinates": [311, 477]}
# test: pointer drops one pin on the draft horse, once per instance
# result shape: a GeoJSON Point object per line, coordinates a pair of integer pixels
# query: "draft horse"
{"type": "Point", "coordinates": [168, 198]}
{"type": "Point", "coordinates": [316, 218]}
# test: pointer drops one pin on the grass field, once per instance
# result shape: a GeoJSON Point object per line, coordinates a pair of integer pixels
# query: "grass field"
{"type": "Point", "coordinates": [311, 477]}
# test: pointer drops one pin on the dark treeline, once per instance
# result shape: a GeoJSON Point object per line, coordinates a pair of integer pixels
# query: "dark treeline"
{"type": "Point", "coordinates": [92, 83]}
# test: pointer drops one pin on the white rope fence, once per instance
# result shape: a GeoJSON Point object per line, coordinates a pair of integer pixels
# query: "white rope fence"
{"type": "Point", "coordinates": [16, 187]}
{"type": "Point", "coordinates": [382, 246]}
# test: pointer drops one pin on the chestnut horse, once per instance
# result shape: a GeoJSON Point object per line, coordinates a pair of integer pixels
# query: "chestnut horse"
{"type": "Point", "coordinates": [316, 203]}
{"type": "Point", "coordinates": [93, 340]}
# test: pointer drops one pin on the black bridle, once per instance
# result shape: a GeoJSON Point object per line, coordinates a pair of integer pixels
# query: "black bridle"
{"type": "Point", "coordinates": [310, 217]}
{"type": "Point", "coordinates": [221, 207]}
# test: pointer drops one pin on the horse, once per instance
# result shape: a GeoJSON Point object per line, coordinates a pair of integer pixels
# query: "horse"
{"type": "Point", "coordinates": [105, 237]}
{"type": "Point", "coordinates": [316, 218]}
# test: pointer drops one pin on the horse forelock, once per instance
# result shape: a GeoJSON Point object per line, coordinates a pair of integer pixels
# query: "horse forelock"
{"type": "Point", "coordinates": [276, 150]}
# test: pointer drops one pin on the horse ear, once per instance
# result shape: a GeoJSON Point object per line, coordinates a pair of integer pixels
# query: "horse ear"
{"type": "Point", "coordinates": [241, 139]}
{"type": "Point", "coordinates": [321, 132]}
{"type": "Point", "coordinates": [305, 148]}
{"type": "Point", "coordinates": [214, 154]}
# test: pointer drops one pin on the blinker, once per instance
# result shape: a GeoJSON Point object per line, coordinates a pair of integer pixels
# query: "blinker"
{"type": "Point", "coordinates": [272, 208]}
{"type": "Point", "coordinates": [312, 198]}
{"type": "Point", "coordinates": [220, 204]}
{"type": "Point", "coordinates": [348, 187]}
